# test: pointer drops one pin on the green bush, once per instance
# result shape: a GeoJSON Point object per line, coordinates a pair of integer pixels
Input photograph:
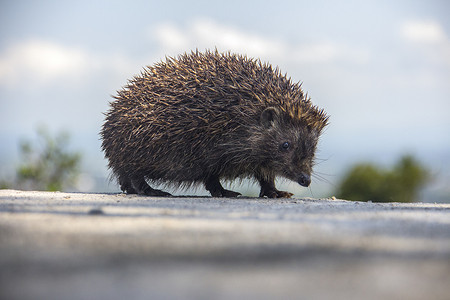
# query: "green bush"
{"type": "Point", "coordinates": [46, 164]}
{"type": "Point", "coordinates": [402, 183]}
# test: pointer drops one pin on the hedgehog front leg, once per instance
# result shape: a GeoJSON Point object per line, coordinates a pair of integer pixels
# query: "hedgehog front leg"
{"type": "Point", "coordinates": [212, 184]}
{"type": "Point", "coordinates": [268, 189]}
{"type": "Point", "coordinates": [142, 188]}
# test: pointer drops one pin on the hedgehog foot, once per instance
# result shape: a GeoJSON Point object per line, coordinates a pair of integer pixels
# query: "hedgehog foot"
{"type": "Point", "coordinates": [283, 194]}
{"type": "Point", "coordinates": [216, 189]}
{"type": "Point", "coordinates": [230, 194]}
{"type": "Point", "coordinates": [268, 189]}
{"type": "Point", "coordinates": [154, 192]}
{"type": "Point", "coordinates": [140, 187]}
{"type": "Point", "coordinates": [274, 193]}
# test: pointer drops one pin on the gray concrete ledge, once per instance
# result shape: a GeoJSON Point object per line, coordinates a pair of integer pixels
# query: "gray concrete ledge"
{"type": "Point", "coordinates": [114, 246]}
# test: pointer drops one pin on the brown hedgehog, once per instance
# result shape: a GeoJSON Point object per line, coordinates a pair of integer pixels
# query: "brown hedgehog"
{"type": "Point", "coordinates": [203, 117]}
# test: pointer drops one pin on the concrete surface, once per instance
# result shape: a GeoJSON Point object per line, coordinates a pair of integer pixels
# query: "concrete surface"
{"type": "Point", "coordinates": [114, 246]}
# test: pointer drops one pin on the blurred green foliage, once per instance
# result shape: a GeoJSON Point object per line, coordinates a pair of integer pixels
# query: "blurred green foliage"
{"type": "Point", "coordinates": [367, 182]}
{"type": "Point", "coordinates": [46, 164]}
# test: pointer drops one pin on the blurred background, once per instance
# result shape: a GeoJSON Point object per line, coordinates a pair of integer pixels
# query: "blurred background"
{"type": "Point", "coordinates": [381, 69]}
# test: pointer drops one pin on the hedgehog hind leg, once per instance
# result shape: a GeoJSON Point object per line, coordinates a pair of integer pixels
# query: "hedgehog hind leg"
{"type": "Point", "coordinates": [212, 184]}
{"type": "Point", "coordinates": [125, 185]}
{"type": "Point", "coordinates": [139, 186]}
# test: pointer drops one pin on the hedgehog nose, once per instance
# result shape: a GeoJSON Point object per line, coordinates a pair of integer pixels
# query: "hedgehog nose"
{"type": "Point", "coordinates": [304, 180]}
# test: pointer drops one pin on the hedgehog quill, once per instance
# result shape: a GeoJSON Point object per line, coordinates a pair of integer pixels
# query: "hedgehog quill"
{"type": "Point", "coordinates": [207, 116]}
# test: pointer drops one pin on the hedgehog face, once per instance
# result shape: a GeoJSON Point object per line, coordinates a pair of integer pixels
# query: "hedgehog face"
{"type": "Point", "coordinates": [294, 156]}
{"type": "Point", "coordinates": [290, 149]}
{"type": "Point", "coordinates": [299, 158]}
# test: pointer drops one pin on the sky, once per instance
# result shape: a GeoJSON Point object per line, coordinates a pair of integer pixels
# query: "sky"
{"type": "Point", "coordinates": [381, 69]}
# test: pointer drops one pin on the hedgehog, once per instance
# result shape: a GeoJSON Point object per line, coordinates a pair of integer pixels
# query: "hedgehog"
{"type": "Point", "coordinates": [207, 117]}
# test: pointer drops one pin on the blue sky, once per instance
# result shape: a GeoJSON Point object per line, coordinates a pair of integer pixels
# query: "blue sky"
{"type": "Point", "coordinates": [381, 69]}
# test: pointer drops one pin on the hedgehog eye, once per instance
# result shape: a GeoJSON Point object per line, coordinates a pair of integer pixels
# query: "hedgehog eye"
{"type": "Point", "coordinates": [285, 145]}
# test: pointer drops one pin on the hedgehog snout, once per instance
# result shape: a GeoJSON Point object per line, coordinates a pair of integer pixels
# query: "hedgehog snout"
{"type": "Point", "coordinates": [304, 179]}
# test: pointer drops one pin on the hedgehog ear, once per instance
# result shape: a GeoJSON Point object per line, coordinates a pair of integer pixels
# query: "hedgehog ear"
{"type": "Point", "coordinates": [269, 116]}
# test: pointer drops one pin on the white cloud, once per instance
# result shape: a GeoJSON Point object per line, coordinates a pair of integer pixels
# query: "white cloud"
{"type": "Point", "coordinates": [207, 34]}
{"type": "Point", "coordinates": [40, 62]}
{"type": "Point", "coordinates": [430, 38]}
{"type": "Point", "coordinates": [423, 32]}
{"type": "Point", "coordinates": [170, 36]}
